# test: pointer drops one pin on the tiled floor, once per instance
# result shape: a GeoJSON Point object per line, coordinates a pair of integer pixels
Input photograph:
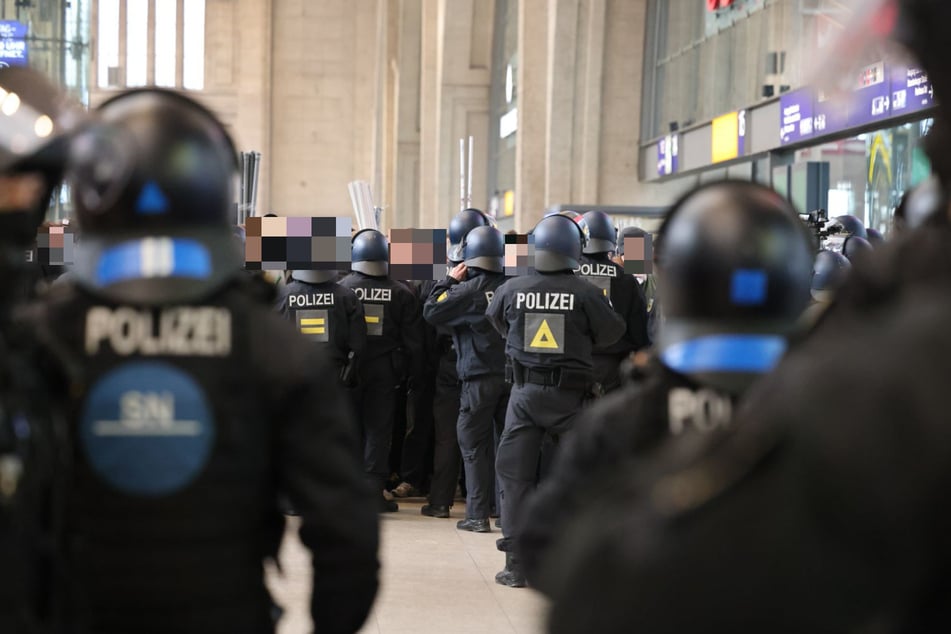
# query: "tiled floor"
{"type": "Point", "coordinates": [434, 579]}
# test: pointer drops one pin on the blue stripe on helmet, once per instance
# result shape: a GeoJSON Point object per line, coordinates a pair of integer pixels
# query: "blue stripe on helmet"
{"type": "Point", "coordinates": [153, 258]}
{"type": "Point", "coordinates": [725, 353]}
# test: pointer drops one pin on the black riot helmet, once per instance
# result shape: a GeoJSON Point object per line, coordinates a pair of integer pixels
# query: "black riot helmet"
{"type": "Point", "coordinates": [735, 264]}
{"type": "Point", "coordinates": [602, 233]}
{"type": "Point", "coordinates": [829, 273]}
{"type": "Point", "coordinates": [460, 225]}
{"type": "Point", "coordinates": [38, 120]}
{"type": "Point", "coordinates": [370, 253]}
{"type": "Point", "coordinates": [578, 218]}
{"type": "Point", "coordinates": [558, 244]}
{"type": "Point", "coordinates": [153, 183]}
{"type": "Point", "coordinates": [855, 248]}
{"type": "Point", "coordinates": [484, 248]}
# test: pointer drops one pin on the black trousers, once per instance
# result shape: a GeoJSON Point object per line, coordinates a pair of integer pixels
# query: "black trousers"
{"type": "Point", "coordinates": [534, 412]}
{"type": "Point", "coordinates": [416, 465]}
{"type": "Point", "coordinates": [446, 456]}
{"type": "Point", "coordinates": [483, 402]}
{"type": "Point", "coordinates": [373, 403]}
{"type": "Point", "coordinates": [402, 427]}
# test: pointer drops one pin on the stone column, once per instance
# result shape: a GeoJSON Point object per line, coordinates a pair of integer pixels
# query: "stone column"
{"type": "Point", "coordinates": [404, 194]}
{"type": "Point", "coordinates": [563, 51]}
{"type": "Point", "coordinates": [455, 78]}
{"type": "Point", "coordinates": [530, 146]}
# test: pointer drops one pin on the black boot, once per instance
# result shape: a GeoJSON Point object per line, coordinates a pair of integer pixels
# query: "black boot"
{"type": "Point", "coordinates": [435, 510]}
{"type": "Point", "coordinates": [512, 576]}
{"type": "Point", "coordinates": [388, 506]}
{"type": "Point", "coordinates": [474, 525]}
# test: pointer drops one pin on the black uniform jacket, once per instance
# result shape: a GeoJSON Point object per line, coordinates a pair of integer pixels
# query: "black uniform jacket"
{"type": "Point", "coordinates": [824, 509]}
{"type": "Point", "coordinates": [553, 320]}
{"type": "Point", "coordinates": [461, 307]}
{"type": "Point", "coordinates": [394, 320]}
{"type": "Point", "coordinates": [328, 314]}
{"type": "Point", "coordinates": [188, 423]}
{"type": "Point", "coordinates": [622, 426]}
{"type": "Point", "coordinates": [627, 299]}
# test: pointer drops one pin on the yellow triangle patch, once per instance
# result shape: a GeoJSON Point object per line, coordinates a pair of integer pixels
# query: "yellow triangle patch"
{"type": "Point", "coordinates": [543, 337]}
{"type": "Point", "coordinates": [442, 297]}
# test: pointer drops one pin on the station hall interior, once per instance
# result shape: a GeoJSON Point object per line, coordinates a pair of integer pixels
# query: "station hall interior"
{"type": "Point", "coordinates": [521, 109]}
{"type": "Point", "coordinates": [570, 104]}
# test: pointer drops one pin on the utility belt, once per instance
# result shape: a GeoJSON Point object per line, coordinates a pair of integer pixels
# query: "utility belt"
{"type": "Point", "coordinates": [564, 378]}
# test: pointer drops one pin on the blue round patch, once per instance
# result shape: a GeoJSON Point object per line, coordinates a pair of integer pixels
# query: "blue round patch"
{"type": "Point", "coordinates": [147, 428]}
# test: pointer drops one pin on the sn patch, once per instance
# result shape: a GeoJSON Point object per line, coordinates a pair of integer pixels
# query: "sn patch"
{"type": "Point", "coordinates": [147, 429]}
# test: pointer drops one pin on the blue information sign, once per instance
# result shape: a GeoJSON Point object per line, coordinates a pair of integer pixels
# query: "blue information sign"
{"type": "Point", "coordinates": [830, 115]}
{"type": "Point", "coordinates": [911, 90]}
{"type": "Point", "coordinates": [884, 92]}
{"type": "Point", "coordinates": [12, 43]}
{"type": "Point", "coordinates": [796, 116]}
{"type": "Point", "coordinates": [872, 101]}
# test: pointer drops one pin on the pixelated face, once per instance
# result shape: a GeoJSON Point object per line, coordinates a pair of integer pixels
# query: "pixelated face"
{"type": "Point", "coordinates": [55, 245]}
{"type": "Point", "coordinates": [297, 243]}
{"type": "Point", "coordinates": [418, 254]}
{"type": "Point", "coordinates": [638, 255]}
{"type": "Point", "coordinates": [519, 254]}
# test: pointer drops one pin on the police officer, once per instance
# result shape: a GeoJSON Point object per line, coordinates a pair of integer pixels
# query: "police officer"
{"type": "Point", "coordinates": [32, 450]}
{"type": "Point", "coordinates": [448, 387]}
{"type": "Point", "coordinates": [550, 322]}
{"type": "Point", "coordinates": [196, 406]}
{"type": "Point", "coordinates": [829, 273]}
{"type": "Point", "coordinates": [598, 268]}
{"type": "Point", "coordinates": [394, 349]}
{"type": "Point", "coordinates": [731, 300]}
{"type": "Point", "coordinates": [460, 303]}
{"type": "Point", "coordinates": [328, 314]}
{"type": "Point", "coordinates": [824, 509]}
{"type": "Point", "coordinates": [460, 226]}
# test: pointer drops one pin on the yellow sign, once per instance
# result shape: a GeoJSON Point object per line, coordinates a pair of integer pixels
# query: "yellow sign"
{"type": "Point", "coordinates": [508, 208]}
{"type": "Point", "coordinates": [544, 338]}
{"type": "Point", "coordinates": [726, 137]}
{"type": "Point", "coordinates": [312, 326]}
